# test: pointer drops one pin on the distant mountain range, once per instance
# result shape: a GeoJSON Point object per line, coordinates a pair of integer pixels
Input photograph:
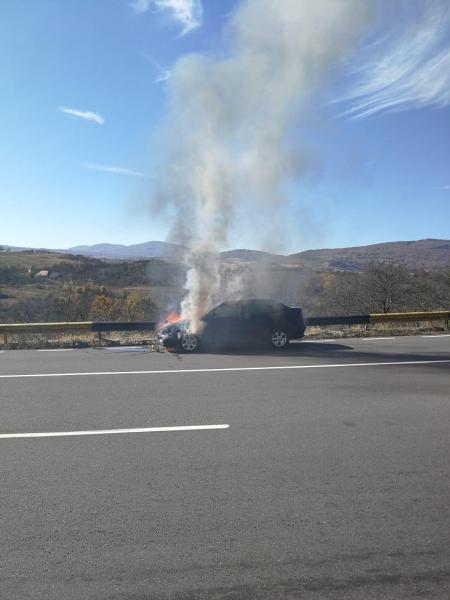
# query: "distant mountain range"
{"type": "Point", "coordinates": [114, 251]}
{"type": "Point", "coordinates": [428, 253]}
{"type": "Point", "coordinates": [145, 250]}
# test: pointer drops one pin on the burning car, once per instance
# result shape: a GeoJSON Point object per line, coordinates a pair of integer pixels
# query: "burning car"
{"type": "Point", "coordinates": [243, 323]}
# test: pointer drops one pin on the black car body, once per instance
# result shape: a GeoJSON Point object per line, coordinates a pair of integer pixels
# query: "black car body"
{"type": "Point", "coordinates": [242, 323]}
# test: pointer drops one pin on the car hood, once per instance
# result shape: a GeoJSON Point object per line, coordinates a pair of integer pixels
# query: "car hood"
{"type": "Point", "coordinates": [174, 328]}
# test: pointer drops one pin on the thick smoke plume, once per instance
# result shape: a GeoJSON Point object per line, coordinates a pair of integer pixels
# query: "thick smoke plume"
{"type": "Point", "coordinates": [234, 121]}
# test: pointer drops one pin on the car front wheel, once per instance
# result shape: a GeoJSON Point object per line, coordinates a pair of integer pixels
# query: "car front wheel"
{"type": "Point", "coordinates": [189, 343]}
{"type": "Point", "coordinates": [279, 340]}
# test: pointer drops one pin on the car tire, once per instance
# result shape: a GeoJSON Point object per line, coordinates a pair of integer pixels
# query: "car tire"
{"type": "Point", "coordinates": [279, 339]}
{"type": "Point", "coordinates": [188, 343]}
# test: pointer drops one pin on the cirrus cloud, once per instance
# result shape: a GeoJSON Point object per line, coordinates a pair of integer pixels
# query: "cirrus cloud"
{"type": "Point", "coordinates": [84, 115]}
{"type": "Point", "coordinates": [115, 170]}
{"type": "Point", "coordinates": [407, 68]}
{"type": "Point", "coordinates": [187, 13]}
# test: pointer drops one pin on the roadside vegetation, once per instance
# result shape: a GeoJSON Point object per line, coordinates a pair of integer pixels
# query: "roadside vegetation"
{"type": "Point", "coordinates": [44, 286]}
{"type": "Point", "coordinates": [379, 288]}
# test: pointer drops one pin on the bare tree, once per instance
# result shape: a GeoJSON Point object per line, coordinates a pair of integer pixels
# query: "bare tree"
{"type": "Point", "coordinates": [386, 286]}
{"type": "Point", "coordinates": [441, 280]}
{"type": "Point", "coordinates": [343, 294]}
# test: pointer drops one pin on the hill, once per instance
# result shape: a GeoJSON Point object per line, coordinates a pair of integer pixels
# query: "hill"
{"type": "Point", "coordinates": [51, 286]}
{"type": "Point", "coordinates": [426, 254]}
{"type": "Point", "coordinates": [135, 251]}
{"type": "Point", "coordinates": [250, 256]}
{"type": "Point", "coordinates": [41, 259]}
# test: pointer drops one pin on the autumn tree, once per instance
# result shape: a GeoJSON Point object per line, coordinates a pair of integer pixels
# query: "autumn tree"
{"type": "Point", "coordinates": [104, 308]}
{"type": "Point", "coordinates": [137, 307]}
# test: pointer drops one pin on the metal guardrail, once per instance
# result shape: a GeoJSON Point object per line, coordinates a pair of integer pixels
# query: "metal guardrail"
{"type": "Point", "coordinates": [378, 318]}
{"type": "Point", "coordinates": [351, 320]}
{"type": "Point", "coordinates": [411, 316]}
{"type": "Point", "coordinates": [44, 327]}
{"type": "Point", "coordinates": [123, 326]}
{"type": "Point", "coordinates": [104, 326]}
{"type": "Point", "coordinates": [96, 326]}
{"type": "Point", "coordinates": [74, 326]}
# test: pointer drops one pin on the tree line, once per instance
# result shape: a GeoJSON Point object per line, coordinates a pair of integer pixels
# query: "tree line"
{"type": "Point", "coordinates": [379, 288]}
{"type": "Point", "coordinates": [80, 303]}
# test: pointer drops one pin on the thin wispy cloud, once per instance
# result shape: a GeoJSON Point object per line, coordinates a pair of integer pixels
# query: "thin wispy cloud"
{"type": "Point", "coordinates": [409, 68]}
{"type": "Point", "coordinates": [445, 187]}
{"type": "Point", "coordinates": [115, 170]}
{"type": "Point", "coordinates": [82, 115]}
{"type": "Point", "coordinates": [186, 13]}
{"type": "Point", "coordinates": [162, 74]}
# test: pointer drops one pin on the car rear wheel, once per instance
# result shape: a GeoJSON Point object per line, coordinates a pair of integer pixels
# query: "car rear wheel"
{"type": "Point", "coordinates": [279, 339]}
{"type": "Point", "coordinates": [189, 342]}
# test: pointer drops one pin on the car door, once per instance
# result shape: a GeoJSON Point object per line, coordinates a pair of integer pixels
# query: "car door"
{"type": "Point", "coordinates": [256, 319]}
{"type": "Point", "coordinates": [223, 326]}
{"type": "Point", "coordinates": [247, 322]}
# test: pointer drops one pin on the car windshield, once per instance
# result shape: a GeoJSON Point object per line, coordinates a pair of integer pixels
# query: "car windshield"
{"type": "Point", "coordinates": [174, 327]}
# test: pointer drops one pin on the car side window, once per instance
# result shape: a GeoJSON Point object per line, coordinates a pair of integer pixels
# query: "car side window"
{"type": "Point", "coordinates": [225, 311]}
{"type": "Point", "coordinates": [251, 310]}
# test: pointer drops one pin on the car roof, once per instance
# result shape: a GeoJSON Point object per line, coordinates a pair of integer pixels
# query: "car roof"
{"type": "Point", "coordinates": [253, 303]}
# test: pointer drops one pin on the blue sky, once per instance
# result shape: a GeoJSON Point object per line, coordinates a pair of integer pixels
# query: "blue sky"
{"type": "Point", "coordinates": [84, 89]}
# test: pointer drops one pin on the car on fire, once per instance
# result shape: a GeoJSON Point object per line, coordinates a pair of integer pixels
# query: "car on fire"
{"type": "Point", "coordinates": [254, 322]}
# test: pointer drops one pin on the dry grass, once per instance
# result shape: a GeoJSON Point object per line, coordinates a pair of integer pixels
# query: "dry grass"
{"type": "Point", "coordinates": [32, 341]}
{"type": "Point", "coordinates": [377, 329]}
{"type": "Point", "coordinates": [35, 260]}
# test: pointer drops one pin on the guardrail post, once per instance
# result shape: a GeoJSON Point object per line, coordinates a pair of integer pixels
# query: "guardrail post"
{"type": "Point", "coordinates": [5, 340]}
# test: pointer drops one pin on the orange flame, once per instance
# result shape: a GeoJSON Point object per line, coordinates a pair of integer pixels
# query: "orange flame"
{"type": "Point", "coordinates": [172, 317]}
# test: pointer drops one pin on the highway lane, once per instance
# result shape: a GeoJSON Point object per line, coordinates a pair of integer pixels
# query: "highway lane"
{"type": "Point", "coordinates": [328, 483]}
{"type": "Point", "coordinates": [305, 352]}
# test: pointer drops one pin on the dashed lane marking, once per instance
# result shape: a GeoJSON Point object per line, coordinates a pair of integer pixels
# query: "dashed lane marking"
{"type": "Point", "coordinates": [439, 335]}
{"type": "Point", "coordinates": [8, 436]}
{"type": "Point", "coordinates": [55, 350]}
{"type": "Point", "coordinates": [119, 349]}
{"type": "Point", "coordinates": [371, 339]}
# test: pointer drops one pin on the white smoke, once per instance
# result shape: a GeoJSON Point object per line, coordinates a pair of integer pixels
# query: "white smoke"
{"type": "Point", "coordinates": [233, 123]}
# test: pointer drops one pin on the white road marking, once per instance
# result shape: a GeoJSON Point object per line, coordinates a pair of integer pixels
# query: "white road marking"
{"type": "Point", "coordinates": [370, 339]}
{"type": "Point", "coordinates": [439, 335]}
{"type": "Point", "coordinates": [8, 436]}
{"type": "Point", "coordinates": [125, 349]}
{"type": "Point", "coordinates": [318, 341]}
{"type": "Point", "coordinates": [55, 350]}
{"type": "Point", "coordinates": [226, 369]}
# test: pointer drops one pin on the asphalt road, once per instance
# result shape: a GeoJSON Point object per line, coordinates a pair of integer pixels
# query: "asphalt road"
{"type": "Point", "coordinates": [331, 481]}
